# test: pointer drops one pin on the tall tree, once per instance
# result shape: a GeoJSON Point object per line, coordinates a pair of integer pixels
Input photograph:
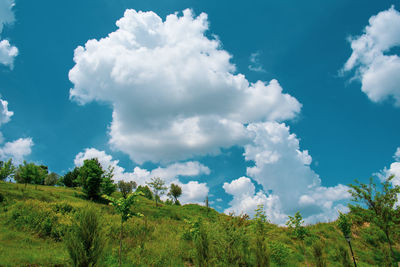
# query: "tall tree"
{"type": "Point", "coordinates": [107, 184]}
{"type": "Point", "coordinates": [51, 179]}
{"type": "Point", "coordinates": [158, 186]}
{"type": "Point", "coordinates": [380, 201]}
{"type": "Point", "coordinates": [126, 187]}
{"type": "Point", "coordinates": [90, 176]}
{"type": "Point", "coordinates": [70, 179]}
{"type": "Point", "coordinates": [175, 191]}
{"type": "Point", "coordinates": [30, 173]}
{"type": "Point", "coordinates": [146, 191]}
{"type": "Point", "coordinates": [7, 169]}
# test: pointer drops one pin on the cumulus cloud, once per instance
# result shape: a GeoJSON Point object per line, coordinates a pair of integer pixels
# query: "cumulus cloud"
{"type": "Point", "coordinates": [18, 149]}
{"type": "Point", "coordinates": [192, 192]}
{"type": "Point", "coordinates": [283, 170]}
{"type": "Point", "coordinates": [173, 90]}
{"type": "Point", "coordinates": [7, 51]}
{"type": "Point", "coordinates": [255, 64]}
{"type": "Point", "coordinates": [394, 169]}
{"type": "Point", "coordinates": [375, 65]}
{"type": "Point", "coordinates": [5, 114]}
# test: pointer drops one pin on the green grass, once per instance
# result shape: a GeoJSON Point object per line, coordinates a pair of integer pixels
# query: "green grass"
{"type": "Point", "coordinates": [33, 221]}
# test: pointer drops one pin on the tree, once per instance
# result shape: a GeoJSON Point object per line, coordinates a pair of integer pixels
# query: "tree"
{"type": "Point", "coordinates": [158, 186]}
{"type": "Point", "coordinates": [261, 251]}
{"type": "Point", "coordinates": [7, 169]}
{"type": "Point", "coordinates": [90, 176]}
{"type": "Point", "coordinates": [107, 184]}
{"type": "Point", "coordinates": [146, 191]}
{"type": "Point", "coordinates": [295, 224]}
{"type": "Point", "coordinates": [70, 179]}
{"type": "Point", "coordinates": [123, 207]}
{"type": "Point", "coordinates": [380, 202]}
{"type": "Point", "coordinates": [30, 173]}
{"type": "Point", "coordinates": [126, 187]}
{"type": "Point", "coordinates": [175, 191]}
{"type": "Point", "coordinates": [51, 179]}
{"type": "Point", "coordinates": [344, 225]}
{"type": "Point", "coordinates": [86, 239]}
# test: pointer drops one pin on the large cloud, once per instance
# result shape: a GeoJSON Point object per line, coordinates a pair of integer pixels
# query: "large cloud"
{"type": "Point", "coordinates": [192, 192]}
{"type": "Point", "coordinates": [376, 66]}
{"type": "Point", "coordinates": [173, 90]}
{"type": "Point", "coordinates": [7, 51]}
{"type": "Point", "coordinates": [283, 171]}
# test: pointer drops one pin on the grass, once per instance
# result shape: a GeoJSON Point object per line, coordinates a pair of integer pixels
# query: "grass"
{"type": "Point", "coordinates": [33, 223]}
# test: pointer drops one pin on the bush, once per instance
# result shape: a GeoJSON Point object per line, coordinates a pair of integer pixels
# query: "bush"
{"type": "Point", "coordinates": [86, 239]}
{"type": "Point", "coordinates": [318, 252]}
{"type": "Point", "coordinates": [279, 253]}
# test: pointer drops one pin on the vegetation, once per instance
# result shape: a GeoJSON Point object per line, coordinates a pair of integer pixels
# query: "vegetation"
{"type": "Point", "coordinates": [126, 187]}
{"type": "Point", "coordinates": [175, 191]}
{"type": "Point", "coordinates": [90, 177]}
{"type": "Point", "coordinates": [7, 169]}
{"type": "Point", "coordinates": [158, 186]}
{"type": "Point", "coordinates": [47, 226]}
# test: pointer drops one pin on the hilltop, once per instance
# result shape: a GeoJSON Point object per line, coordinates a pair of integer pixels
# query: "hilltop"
{"type": "Point", "coordinates": [34, 219]}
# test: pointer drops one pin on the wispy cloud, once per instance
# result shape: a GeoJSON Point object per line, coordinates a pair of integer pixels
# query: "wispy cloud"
{"type": "Point", "coordinates": [255, 64]}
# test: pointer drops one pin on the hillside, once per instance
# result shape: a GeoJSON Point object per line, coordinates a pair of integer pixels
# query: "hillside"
{"type": "Point", "coordinates": [33, 221]}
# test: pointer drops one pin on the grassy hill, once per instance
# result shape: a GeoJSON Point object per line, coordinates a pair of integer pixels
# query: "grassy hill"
{"type": "Point", "coordinates": [33, 221]}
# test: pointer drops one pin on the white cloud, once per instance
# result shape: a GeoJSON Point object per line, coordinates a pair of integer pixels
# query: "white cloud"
{"type": "Point", "coordinates": [375, 65]}
{"type": "Point", "coordinates": [7, 51]}
{"type": "Point", "coordinates": [192, 192]}
{"type": "Point", "coordinates": [283, 170]}
{"type": "Point", "coordinates": [5, 114]}
{"type": "Point", "coordinates": [16, 150]}
{"type": "Point", "coordinates": [394, 169]}
{"type": "Point", "coordinates": [255, 64]}
{"type": "Point", "coordinates": [173, 90]}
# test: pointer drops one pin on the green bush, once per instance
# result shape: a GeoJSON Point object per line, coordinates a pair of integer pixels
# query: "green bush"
{"type": "Point", "coordinates": [280, 253]}
{"type": "Point", "coordinates": [85, 240]}
{"type": "Point", "coordinates": [319, 255]}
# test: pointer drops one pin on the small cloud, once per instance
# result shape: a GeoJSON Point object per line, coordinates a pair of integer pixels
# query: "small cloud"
{"type": "Point", "coordinates": [255, 64]}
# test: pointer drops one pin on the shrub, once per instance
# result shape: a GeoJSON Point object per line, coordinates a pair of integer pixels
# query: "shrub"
{"type": "Point", "coordinates": [279, 253]}
{"type": "Point", "coordinates": [85, 240]}
{"type": "Point", "coordinates": [318, 252]}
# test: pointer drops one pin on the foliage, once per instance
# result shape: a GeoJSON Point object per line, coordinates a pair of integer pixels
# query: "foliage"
{"type": "Point", "coordinates": [90, 176]}
{"type": "Point", "coordinates": [295, 223]}
{"type": "Point", "coordinates": [51, 179]}
{"type": "Point", "coordinates": [175, 191]}
{"type": "Point", "coordinates": [7, 169]}
{"type": "Point", "coordinates": [280, 253]}
{"type": "Point", "coordinates": [344, 257]}
{"type": "Point", "coordinates": [146, 191]}
{"type": "Point", "coordinates": [126, 187]}
{"type": "Point", "coordinates": [344, 225]}
{"type": "Point", "coordinates": [261, 251]}
{"type": "Point", "coordinates": [30, 173]}
{"type": "Point", "coordinates": [318, 253]}
{"type": "Point", "coordinates": [86, 239]}
{"type": "Point", "coordinates": [158, 186]}
{"type": "Point", "coordinates": [107, 183]}
{"type": "Point", "coordinates": [381, 203]}
{"type": "Point", "coordinates": [70, 179]}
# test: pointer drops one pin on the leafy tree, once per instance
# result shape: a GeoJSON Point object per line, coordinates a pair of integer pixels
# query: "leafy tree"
{"type": "Point", "coordinates": [146, 191]}
{"type": "Point", "coordinates": [70, 179]}
{"type": "Point", "coordinates": [51, 179]}
{"type": "Point", "coordinates": [344, 225]}
{"type": "Point", "coordinates": [107, 184]}
{"type": "Point", "coordinates": [7, 169]}
{"type": "Point", "coordinates": [175, 191]}
{"type": "Point", "coordinates": [261, 251]}
{"type": "Point", "coordinates": [380, 202]}
{"type": "Point", "coordinates": [86, 239]}
{"type": "Point", "coordinates": [30, 173]}
{"type": "Point", "coordinates": [295, 224]}
{"type": "Point", "coordinates": [123, 207]}
{"type": "Point", "coordinates": [90, 176]}
{"type": "Point", "coordinates": [126, 187]}
{"type": "Point", "coordinates": [158, 186]}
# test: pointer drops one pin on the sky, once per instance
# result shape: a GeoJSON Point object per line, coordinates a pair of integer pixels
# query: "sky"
{"type": "Point", "coordinates": [271, 103]}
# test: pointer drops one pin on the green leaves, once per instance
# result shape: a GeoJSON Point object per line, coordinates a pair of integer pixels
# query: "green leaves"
{"type": "Point", "coordinates": [123, 205]}
{"type": "Point", "coordinates": [296, 224]}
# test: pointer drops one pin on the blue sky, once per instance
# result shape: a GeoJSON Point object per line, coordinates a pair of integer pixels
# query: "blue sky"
{"type": "Point", "coordinates": [178, 98]}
